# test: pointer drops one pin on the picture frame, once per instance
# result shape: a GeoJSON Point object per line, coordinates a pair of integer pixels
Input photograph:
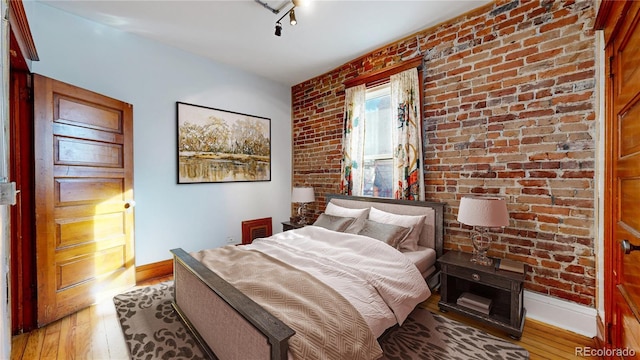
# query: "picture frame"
{"type": "Point", "coordinates": [216, 146]}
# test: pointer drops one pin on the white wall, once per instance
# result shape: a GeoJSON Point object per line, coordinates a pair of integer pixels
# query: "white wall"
{"type": "Point", "coordinates": [152, 77]}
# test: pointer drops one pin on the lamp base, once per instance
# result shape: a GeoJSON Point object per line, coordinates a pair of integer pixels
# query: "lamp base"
{"type": "Point", "coordinates": [481, 259]}
{"type": "Point", "coordinates": [481, 242]}
{"type": "Point", "coordinates": [302, 209]}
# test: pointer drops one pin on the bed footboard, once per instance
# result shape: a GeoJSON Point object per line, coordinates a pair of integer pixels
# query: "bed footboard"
{"type": "Point", "coordinates": [226, 322]}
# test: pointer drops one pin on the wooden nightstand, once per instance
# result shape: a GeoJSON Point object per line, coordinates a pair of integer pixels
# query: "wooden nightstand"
{"type": "Point", "coordinates": [504, 288]}
{"type": "Point", "coordinates": [288, 225]}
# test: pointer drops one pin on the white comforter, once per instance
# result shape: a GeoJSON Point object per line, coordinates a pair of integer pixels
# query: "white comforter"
{"type": "Point", "coordinates": [382, 283]}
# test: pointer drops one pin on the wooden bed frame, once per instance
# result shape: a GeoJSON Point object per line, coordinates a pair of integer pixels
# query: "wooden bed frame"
{"type": "Point", "coordinates": [228, 324]}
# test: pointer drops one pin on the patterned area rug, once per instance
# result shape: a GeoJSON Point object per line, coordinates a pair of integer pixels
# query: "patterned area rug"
{"type": "Point", "coordinates": [425, 335]}
{"type": "Point", "coordinates": [153, 330]}
{"type": "Point", "coordinates": [151, 327]}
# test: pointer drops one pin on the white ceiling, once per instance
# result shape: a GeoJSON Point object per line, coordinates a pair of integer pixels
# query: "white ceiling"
{"type": "Point", "coordinates": [240, 33]}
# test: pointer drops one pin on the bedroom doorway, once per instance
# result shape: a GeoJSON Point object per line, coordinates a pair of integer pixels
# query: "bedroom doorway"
{"type": "Point", "coordinates": [83, 149]}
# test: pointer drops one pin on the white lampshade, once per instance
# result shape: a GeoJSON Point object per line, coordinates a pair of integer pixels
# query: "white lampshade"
{"type": "Point", "coordinates": [483, 211]}
{"type": "Point", "coordinates": [302, 195]}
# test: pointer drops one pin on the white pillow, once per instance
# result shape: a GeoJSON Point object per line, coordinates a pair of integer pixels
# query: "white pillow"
{"type": "Point", "coordinates": [410, 242]}
{"type": "Point", "coordinates": [360, 216]}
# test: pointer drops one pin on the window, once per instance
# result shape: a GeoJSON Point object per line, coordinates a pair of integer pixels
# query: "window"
{"type": "Point", "coordinates": [382, 146]}
{"type": "Point", "coordinates": [378, 144]}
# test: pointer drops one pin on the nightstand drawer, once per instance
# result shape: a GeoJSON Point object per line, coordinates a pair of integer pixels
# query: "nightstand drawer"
{"type": "Point", "coordinates": [478, 276]}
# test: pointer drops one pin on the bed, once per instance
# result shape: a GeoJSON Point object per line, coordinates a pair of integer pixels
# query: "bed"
{"type": "Point", "coordinates": [242, 321]}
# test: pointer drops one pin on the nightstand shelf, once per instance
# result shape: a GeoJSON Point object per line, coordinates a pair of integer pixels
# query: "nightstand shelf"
{"type": "Point", "coordinates": [504, 288]}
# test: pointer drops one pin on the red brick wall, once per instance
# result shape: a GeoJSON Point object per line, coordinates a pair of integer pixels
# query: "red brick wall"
{"type": "Point", "coordinates": [509, 109]}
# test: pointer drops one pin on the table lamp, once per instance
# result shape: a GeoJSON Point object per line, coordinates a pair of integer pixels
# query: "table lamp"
{"type": "Point", "coordinates": [302, 196]}
{"type": "Point", "coordinates": [483, 213]}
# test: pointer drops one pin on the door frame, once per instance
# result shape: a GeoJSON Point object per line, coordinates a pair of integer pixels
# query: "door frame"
{"type": "Point", "coordinates": [20, 53]}
{"type": "Point", "coordinates": [23, 261]}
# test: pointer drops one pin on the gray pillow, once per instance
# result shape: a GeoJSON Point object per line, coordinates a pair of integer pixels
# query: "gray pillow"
{"type": "Point", "coordinates": [335, 223]}
{"type": "Point", "coordinates": [360, 215]}
{"type": "Point", "coordinates": [390, 234]}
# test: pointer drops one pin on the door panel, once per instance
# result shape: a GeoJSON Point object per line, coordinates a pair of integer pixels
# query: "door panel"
{"type": "Point", "coordinates": [88, 153]}
{"type": "Point", "coordinates": [88, 191]}
{"type": "Point", "coordinates": [73, 270]}
{"type": "Point", "coordinates": [79, 231]}
{"type": "Point", "coordinates": [630, 142]}
{"type": "Point", "coordinates": [84, 189]}
{"type": "Point", "coordinates": [629, 196]}
{"type": "Point", "coordinates": [75, 112]}
{"type": "Point", "coordinates": [627, 53]}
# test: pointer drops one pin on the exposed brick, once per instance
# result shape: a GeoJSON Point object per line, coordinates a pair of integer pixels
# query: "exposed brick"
{"type": "Point", "coordinates": [575, 269]}
{"type": "Point", "coordinates": [521, 54]}
{"type": "Point", "coordinates": [560, 23]}
{"type": "Point", "coordinates": [584, 75]}
{"type": "Point", "coordinates": [509, 109]}
{"type": "Point", "coordinates": [557, 284]}
{"type": "Point", "coordinates": [546, 263]}
{"type": "Point", "coordinates": [572, 296]}
{"type": "Point", "coordinates": [589, 291]}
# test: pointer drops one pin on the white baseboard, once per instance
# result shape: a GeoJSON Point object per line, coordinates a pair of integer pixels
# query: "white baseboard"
{"type": "Point", "coordinates": [564, 314]}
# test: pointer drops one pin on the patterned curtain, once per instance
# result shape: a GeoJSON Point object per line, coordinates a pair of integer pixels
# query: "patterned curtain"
{"type": "Point", "coordinates": [408, 182]}
{"type": "Point", "coordinates": [353, 141]}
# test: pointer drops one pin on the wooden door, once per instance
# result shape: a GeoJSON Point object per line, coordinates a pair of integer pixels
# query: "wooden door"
{"type": "Point", "coordinates": [83, 197]}
{"type": "Point", "coordinates": [622, 201]}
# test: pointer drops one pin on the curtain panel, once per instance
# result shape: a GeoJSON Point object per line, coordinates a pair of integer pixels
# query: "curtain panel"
{"type": "Point", "coordinates": [353, 141]}
{"type": "Point", "coordinates": [408, 176]}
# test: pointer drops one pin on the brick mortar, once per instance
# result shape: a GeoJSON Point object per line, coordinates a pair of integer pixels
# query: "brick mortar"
{"type": "Point", "coordinates": [508, 109]}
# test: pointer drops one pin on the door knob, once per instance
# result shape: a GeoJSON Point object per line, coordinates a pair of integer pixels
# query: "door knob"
{"type": "Point", "coordinates": [628, 247]}
{"type": "Point", "coordinates": [129, 204]}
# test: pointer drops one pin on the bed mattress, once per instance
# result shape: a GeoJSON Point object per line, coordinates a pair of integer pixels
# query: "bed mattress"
{"type": "Point", "coordinates": [424, 259]}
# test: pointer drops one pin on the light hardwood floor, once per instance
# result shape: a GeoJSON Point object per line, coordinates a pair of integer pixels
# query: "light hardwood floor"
{"type": "Point", "coordinates": [94, 333]}
{"type": "Point", "coordinates": [541, 340]}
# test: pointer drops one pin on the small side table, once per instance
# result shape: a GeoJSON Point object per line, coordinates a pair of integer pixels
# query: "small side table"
{"type": "Point", "coordinates": [288, 225]}
{"type": "Point", "coordinates": [504, 288]}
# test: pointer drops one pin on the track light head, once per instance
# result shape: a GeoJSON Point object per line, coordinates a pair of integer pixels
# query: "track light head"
{"type": "Point", "coordinates": [292, 17]}
{"type": "Point", "coordinates": [291, 12]}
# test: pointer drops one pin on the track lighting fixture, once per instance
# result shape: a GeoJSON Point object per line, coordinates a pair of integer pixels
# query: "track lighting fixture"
{"type": "Point", "coordinates": [292, 20]}
{"type": "Point", "coordinates": [290, 12]}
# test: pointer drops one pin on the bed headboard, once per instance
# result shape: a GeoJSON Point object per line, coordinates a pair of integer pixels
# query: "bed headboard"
{"type": "Point", "coordinates": [432, 234]}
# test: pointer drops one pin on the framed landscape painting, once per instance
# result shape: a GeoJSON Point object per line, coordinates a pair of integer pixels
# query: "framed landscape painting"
{"type": "Point", "coordinates": [222, 146]}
